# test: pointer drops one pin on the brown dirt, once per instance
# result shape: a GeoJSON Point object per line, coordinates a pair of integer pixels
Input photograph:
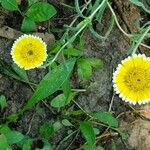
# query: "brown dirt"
{"type": "Point", "coordinates": [99, 92]}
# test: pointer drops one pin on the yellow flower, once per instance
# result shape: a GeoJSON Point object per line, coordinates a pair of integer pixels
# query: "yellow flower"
{"type": "Point", "coordinates": [131, 80]}
{"type": "Point", "coordinates": [29, 52]}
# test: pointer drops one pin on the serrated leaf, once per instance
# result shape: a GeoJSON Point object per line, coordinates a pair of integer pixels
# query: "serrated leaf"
{"type": "Point", "coordinates": [14, 137]}
{"type": "Point", "coordinates": [3, 142]}
{"type": "Point", "coordinates": [3, 102]}
{"type": "Point", "coordinates": [84, 69]}
{"type": "Point", "coordinates": [46, 130]}
{"type": "Point", "coordinates": [88, 132]}
{"type": "Point", "coordinates": [106, 118]}
{"type": "Point", "coordinates": [28, 25]}
{"type": "Point", "coordinates": [51, 82]}
{"type": "Point", "coordinates": [41, 11]}
{"type": "Point", "coordinates": [95, 62]}
{"type": "Point", "coordinates": [9, 4]}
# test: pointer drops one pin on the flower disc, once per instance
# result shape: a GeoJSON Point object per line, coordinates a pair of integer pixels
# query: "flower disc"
{"type": "Point", "coordinates": [131, 80]}
{"type": "Point", "coordinates": [29, 52]}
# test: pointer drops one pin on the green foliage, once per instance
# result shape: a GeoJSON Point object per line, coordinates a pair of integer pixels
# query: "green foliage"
{"type": "Point", "coordinates": [41, 11]}
{"type": "Point", "coordinates": [28, 25]}
{"type": "Point", "coordinates": [88, 132]}
{"type": "Point", "coordinates": [27, 146]}
{"type": "Point", "coordinates": [113, 145]}
{"type": "Point", "coordinates": [72, 52]}
{"type": "Point", "coordinates": [46, 130]}
{"type": "Point", "coordinates": [10, 5]}
{"type": "Point", "coordinates": [3, 142]}
{"type": "Point", "coordinates": [61, 100]}
{"type": "Point", "coordinates": [60, 74]}
{"type": "Point", "coordinates": [57, 126]}
{"type": "Point", "coordinates": [70, 47]}
{"type": "Point", "coordinates": [4, 129]}
{"type": "Point", "coordinates": [14, 137]}
{"type": "Point", "coordinates": [95, 63]}
{"type": "Point", "coordinates": [3, 102]}
{"type": "Point", "coordinates": [85, 66]}
{"type": "Point", "coordinates": [66, 123]}
{"type": "Point", "coordinates": [30, 2]}
{"type": "Point", "coordinates": [36, 12]}
{"type": "Point", "coordinates": [20, 72]}
{"type": "Point", "coordinates": [106, 118]}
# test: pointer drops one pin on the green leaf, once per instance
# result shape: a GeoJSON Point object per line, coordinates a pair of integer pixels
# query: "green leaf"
{"type": "Point", "coordinates": [41, 11]}
{"type": "Point", "coordinates": [13, 117]}
{"type": "Point", "coordinates": [122, 133]}
{"type": "Point", "coordinates": [88, 132]}
{"type": "Point", "coordinates": [61, 100]}
{"type": "Point", "coordinates": [67, 123]}
{"type": "Point", "coordinates": [140, 4]}
{"type": "Point", "coordinates": [57, 126]}
{"type": "Point", "coordinates": [89, 147]}
{"type": "Point", "coordinates": [3, 102]}
{"type": "Point", "coordinates": [113, 145]}
{"type": "Point", "coordinates": [72, 52]}
{"type": "Point", "coordinates": [66, 87]}
{"type": "Point", "coordinates": [58, 101]}
{"type": "Point", "coordinates": [46, 130]}
{"type": "Point", "coordinates": [96, 131]}
{"type": "Point", "coordinates": [25, 143]}
{"type": "Point", "coordinates": [51, 82]}
{"type": "Point", "coordinates": [14, 137]}
{"type": "Point", "coordinates": [20, 72]}
{"type": "Point", "coordinates": [9, 4]}
{"type": "Point", "coordinates": [106, 118]}
{"type": "Point", "coordinates": [84, 68]}
{"type": "Point", "coordinates": [3, 142]}
{"type": "Point", "coordinates": [95, 62]}
{"type": "Point", "coordinates": [99, 148]}
{"type": "Point", "coordinates": [4, 129]}
{"type": "Point", "coordinates": [27, 146]}
{"type": "Point", "coordinates": [30, 2]}
{"type": "Point", "coordinates": [28, 25]}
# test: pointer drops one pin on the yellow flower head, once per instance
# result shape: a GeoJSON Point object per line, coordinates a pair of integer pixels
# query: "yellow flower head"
{"type": "Point", "coordinates": [131, 80]}
{"type": "Point", "coordinates": [29, 52]}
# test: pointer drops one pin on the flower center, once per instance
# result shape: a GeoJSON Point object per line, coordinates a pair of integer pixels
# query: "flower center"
{"type": "Point", "coordinates": [30, 52]}
{"type": "Point", "coordinates": [138, 79]}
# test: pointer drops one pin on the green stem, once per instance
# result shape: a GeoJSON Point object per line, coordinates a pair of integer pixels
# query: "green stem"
{"type": "Point", "coordinates": [83, 24]}
{"type": "Point", "coordinates": [140, 40]}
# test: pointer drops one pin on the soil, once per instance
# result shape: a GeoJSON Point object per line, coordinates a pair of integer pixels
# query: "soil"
{"type": "Point", "coordinates": [99, 92]}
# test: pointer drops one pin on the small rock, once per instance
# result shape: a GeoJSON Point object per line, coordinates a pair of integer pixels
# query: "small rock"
{"type": "Point", "coordinates": [140, 135]}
